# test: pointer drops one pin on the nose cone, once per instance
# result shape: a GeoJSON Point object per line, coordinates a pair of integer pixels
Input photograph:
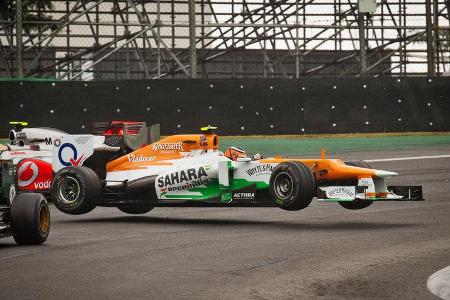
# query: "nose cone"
{"type": "Point", "coordinates": [383, 174]}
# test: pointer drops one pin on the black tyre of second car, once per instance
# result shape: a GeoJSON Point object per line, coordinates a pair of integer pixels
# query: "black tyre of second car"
{"type": "Point", "coordinates": [135, 210]}
{"type": "Point", "coordinates": [358, 203]}
{"type": "Point", "coordinates": [292, 186]}
{"type": "Point", "coordinates": [76, 190]}
{"type": "Point", "coordinates": [30, 219]}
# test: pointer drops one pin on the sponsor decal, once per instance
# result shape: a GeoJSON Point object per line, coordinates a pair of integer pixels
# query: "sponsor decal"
{"type": "Point", "coordinates": [34, 174]}
{"type": "Point", "coordinates": [260, 170]}
{"type": "Point", "coordinates": [27, 173]}
{"type": "Point", "coordinates": [137, 159]}
{"type": "Point", "coordinates": [14, 153]}
{"type": "Point", "coordinates": [73, 160]}
{"type": "Point", "coordinates": [167, 146]}
{"type": "Point", "coordinates": [71, 150]}
{"type": "Point", "coordinates": [42, 185]}
{"type": "Point", "coordinates": [48, 141]}
{"type": "Point", "coordinates": [181, 176]}
{"type": "Point", "coordinates": [243, 196]}
{"type": "Point", "coordinates": [203, 141]}
{"type": "Point", "coordinates": [246, 193]}
{"type": "Point", "coordinates": [21, 135]}
{"type": "Point", "coordinates": [186, 186]}
{"type": "Point", "coordinates": [368, 184]}
{"type": "Point", "coordinates": [184, 179]}
{"type": "Point", "coordinates": [341, 192]}
{"type": "Point", "coordinates": [365, 181]}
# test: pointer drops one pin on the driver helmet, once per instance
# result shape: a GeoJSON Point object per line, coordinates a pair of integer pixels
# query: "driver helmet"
{"type": "Point", "coordinates": [234, 152]}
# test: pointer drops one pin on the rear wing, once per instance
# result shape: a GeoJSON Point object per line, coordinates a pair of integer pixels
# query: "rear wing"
{"type": "Point", "coordinates": [134, 138]}
{"type": "Point", "coordinates": [146, 136]}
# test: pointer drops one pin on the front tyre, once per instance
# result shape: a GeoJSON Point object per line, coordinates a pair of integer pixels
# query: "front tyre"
{"type": "Point", "coordinates": [76, 190]}
{"type": "Point", "coordinates": [292, 186]}
{"type": "Point", "coordinates": [30, 219]}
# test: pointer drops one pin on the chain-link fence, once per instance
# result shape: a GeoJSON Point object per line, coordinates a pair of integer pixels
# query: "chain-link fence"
{"type": "Point", "coordinates": [132, 39]}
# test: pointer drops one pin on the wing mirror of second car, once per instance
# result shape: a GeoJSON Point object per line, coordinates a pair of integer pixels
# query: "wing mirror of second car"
{"type": "Point", "coordinates": [244, 159]}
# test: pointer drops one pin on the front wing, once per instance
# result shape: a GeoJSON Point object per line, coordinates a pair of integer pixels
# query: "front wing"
{"type": "Point", "coordinates": [352, 193]}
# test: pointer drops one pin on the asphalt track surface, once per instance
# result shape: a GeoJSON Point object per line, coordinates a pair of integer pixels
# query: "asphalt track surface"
{"type": "Point", "coordinates": [385, 251]}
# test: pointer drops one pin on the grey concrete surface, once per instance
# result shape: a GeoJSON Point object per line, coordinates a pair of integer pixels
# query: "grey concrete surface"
{"type": "Point", "coordinates": [386, 251]}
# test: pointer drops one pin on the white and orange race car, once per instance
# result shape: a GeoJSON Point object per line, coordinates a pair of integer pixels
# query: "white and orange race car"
{"type": "Point", "coordinates": [190, 170]}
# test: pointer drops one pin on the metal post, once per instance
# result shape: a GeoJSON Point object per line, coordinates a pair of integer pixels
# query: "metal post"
{"type": "Point", "coordinates": [436, 38]}
{"type": "Point", "coordinates": [362, 44]}
{"type": "Point", "coordinates": [264, 40]}
{"type": "Point", "coordinates": [192, 48]}
{"type": "Point", "coordinates": [447, 5]}
{"type": "Point", "coordinates": [297, 62]}
{"type": "Point", "coordinates": [233, 52]}
{"type": "Point", "coordinates": [172, 15]}
{"type": "Point", "coordinates": [158, 43]}
{"type": "Point", "coordinates": [68, 41]}
{"type": "Point", "coordinates": [115, 11]}
{"type": "Point", "coordinates": [19, 45]}
{"type": "Point", "coordinates": [429, 32]}
{"type": "Point", "coordinates": [127, 51]}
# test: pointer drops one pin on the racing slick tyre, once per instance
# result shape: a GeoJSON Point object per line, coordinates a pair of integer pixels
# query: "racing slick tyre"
{"type": "Point", "coordinates": [135, 210]}
{"type": "Point", "coordinates": [76, 190]}
{"type": "Point", "coordinates": [30, 219]}
{"type": "Point", "coordinates": [357, 203]}
{"type": "Point", "coordinates": [292, 185]}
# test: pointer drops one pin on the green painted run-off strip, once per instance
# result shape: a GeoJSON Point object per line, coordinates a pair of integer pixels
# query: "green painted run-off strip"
{"type": "Point", "coordinates": [307, 146]}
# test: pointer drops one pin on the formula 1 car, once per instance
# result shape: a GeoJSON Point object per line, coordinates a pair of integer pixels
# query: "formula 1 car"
{"type": "Point", "coordinates": [189, 170]}
{"type": "Point", "coordinates": [30, 151]}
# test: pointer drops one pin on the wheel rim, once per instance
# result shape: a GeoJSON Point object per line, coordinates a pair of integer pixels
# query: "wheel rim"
{"type": "Point", "coordinates": [69, 190]}
{"type": "Point", "coordinates": [284, 185]}
{"type": "Point", "coordinates": [44, 219]}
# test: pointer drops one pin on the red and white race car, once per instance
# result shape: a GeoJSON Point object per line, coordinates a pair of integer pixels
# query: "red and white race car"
{"type": "Point", "coordinates": [30, 150]}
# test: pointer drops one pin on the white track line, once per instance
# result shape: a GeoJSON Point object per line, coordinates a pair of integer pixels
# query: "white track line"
{"type": "Point", "coordinates": [407, 158]}
{"type": "Point", "coordinates": [439, 283]}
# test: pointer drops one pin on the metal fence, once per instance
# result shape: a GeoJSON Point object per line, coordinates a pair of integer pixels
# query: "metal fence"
{"type": "Point", "coordinates": [152, 39]}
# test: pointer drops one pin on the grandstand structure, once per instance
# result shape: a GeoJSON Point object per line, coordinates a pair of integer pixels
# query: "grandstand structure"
{"type": "Point", "coordinates": [163, 39]}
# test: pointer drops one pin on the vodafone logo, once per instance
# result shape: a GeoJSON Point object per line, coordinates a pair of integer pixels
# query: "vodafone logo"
{"type": "Point", "coordinates": [14, 153]}
{"type": "Point", "coordinates": [27, 173]}
{"type": "Point", "coordinates": [42, 185]}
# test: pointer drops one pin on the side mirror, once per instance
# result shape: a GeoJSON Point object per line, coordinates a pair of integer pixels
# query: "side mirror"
{"type": "Point", "coordinates": [244, 159]}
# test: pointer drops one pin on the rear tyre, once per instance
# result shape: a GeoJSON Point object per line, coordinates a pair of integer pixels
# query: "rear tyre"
{"type": "Point", "coordinates": [30, 219]}
{"type": "Point", "coordinates": [292, 186]}
{"type": "Point", "coordinates": [135, 210]}
{"type": "Point", "coordinates": [76, 190]}
{"type": "Point", "coordinates": [358, 203]}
